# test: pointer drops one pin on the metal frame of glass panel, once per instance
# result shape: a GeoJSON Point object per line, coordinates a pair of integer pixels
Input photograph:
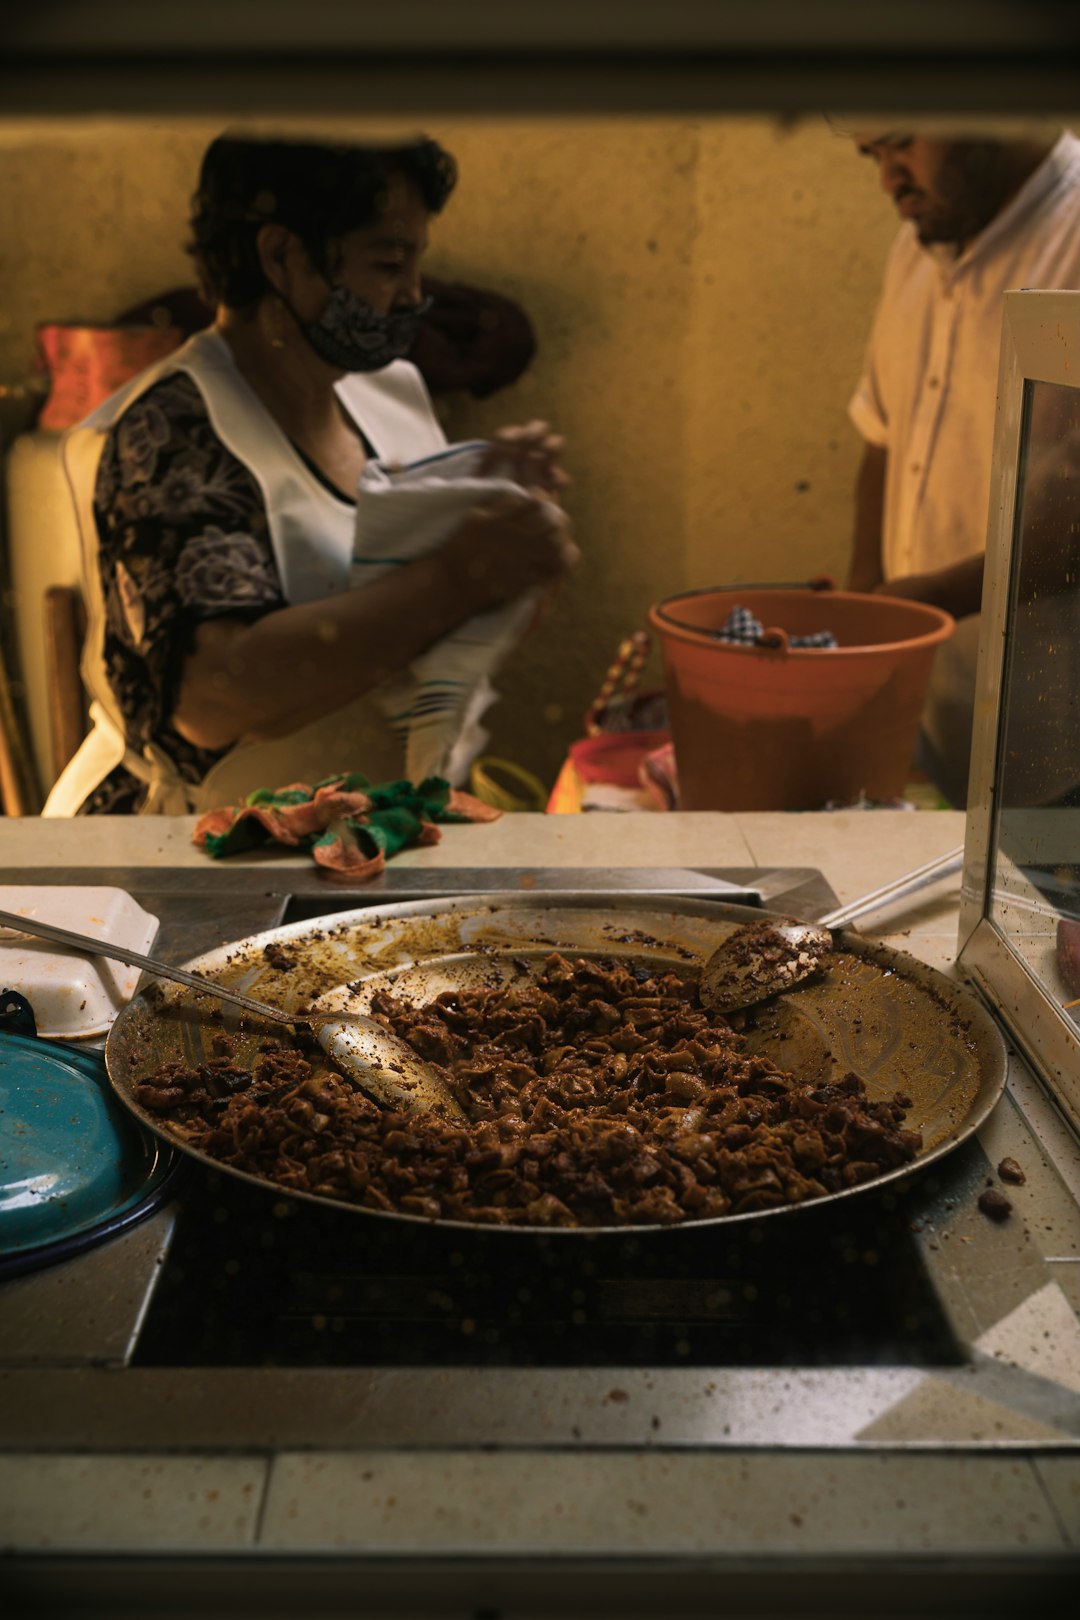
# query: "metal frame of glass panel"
{"type": "Point", "coordinates": [1040, 346]}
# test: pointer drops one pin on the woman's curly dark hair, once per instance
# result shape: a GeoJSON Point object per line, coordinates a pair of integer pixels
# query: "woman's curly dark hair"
{"type": "Point", "coordinates": [320, 190]}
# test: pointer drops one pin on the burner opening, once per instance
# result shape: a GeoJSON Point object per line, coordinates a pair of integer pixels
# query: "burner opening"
{"type": "Point", "coordinates": [288, 1285]}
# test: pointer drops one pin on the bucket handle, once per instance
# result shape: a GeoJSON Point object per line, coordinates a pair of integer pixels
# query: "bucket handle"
{"type": "Point", "coordinates": [819, 582]}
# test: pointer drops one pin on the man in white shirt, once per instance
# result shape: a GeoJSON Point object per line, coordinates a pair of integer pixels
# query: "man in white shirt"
{"type": "Point", "coordinates": [980, 217]}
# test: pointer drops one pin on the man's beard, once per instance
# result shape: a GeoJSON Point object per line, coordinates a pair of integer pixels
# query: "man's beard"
{"type": "Point", "coordinates": [973, 184]}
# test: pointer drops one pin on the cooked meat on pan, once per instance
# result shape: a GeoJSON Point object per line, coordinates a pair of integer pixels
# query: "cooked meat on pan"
{"type": "Point", "coordinates": [599, 1094]}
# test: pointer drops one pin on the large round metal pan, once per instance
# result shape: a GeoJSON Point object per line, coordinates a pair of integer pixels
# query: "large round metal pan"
{"type": "Point", "coordinates": [880, 1013]}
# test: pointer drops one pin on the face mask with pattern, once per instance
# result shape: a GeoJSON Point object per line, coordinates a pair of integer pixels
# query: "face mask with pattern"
{"type": "Point", "coordinates": [351, 335]}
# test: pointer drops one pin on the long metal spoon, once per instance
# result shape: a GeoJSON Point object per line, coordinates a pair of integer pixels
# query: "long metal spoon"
{"type": "Point", "coordinates": [765, 958]}
{"type": "Point", "coordinates": [384, 1066]}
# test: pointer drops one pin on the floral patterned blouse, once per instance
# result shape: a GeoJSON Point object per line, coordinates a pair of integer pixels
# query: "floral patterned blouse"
{"type": "Point", "coordinates": [183, 537]}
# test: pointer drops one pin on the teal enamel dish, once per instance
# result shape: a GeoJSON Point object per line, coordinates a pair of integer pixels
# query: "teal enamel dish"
{"type": "Point", "coordinates": [75, 1167]}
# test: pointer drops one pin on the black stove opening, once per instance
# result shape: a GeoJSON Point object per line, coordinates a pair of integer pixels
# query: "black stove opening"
{"type": "Point", "coordinates": [254, 1279]}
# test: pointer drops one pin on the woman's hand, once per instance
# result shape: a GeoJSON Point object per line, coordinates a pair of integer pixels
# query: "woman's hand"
{"type": "Point", "coordinates": [528, 455]}
{"type": "Point", "coordinates": [508, 546]}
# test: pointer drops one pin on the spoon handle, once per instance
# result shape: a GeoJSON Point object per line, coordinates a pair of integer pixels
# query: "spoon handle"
{"type": "Point", "coordinates": [951, 861]}
{"type": "Point", "coordinates": [88, 946]}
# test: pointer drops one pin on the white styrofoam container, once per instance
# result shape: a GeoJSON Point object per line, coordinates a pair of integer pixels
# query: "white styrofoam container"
{"type": "Point", "coordinates": [73, 996]}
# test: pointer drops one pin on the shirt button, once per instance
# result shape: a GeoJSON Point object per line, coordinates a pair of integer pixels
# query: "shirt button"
{"type": "Point", "coordinates": [933, 382]}
{"type": "Point", "coordinates": [916, 466]}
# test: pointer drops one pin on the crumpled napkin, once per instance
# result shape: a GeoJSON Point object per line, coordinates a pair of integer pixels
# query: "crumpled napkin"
{"type": "Point", "coordinates": [350, 825]}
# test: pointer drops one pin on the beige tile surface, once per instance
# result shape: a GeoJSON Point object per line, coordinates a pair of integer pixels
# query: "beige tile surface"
{"type": "Point", "coordinates": [518, 1502]}
{"type": "Point", "coordinates": [938, 1410]}
{"type": "Point", "coordinates": [704, 838]}
{"type": "Point", "coordinates": [1066, 1273]}
{"type": "Point", "coordinates": [1042, 1335]}
{"type": "Point", "coordinates": [634, 839]}
{"type": "Point", "coordinates": [857, 849]}
{"type": "Point", "coordinates": [1060, 1477]}
{"type": "Point", "coordinates": [118, 1502]}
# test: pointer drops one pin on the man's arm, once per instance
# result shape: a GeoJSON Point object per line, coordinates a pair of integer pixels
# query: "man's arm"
{"type": "Point", "coordinates": [957, 589]}
{"type": "Point", "coordinates": [866, 572]}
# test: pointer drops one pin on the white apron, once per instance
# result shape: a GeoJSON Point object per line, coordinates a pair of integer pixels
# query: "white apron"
{"type": "Point", "coordinates": [311, 532]}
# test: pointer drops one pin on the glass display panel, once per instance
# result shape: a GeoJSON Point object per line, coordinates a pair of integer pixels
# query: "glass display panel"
{"type": "Point", "coordinates": [1035, 874]}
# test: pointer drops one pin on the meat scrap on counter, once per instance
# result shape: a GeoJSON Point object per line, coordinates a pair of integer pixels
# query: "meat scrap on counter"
{"type": "Point", "coordinates": [597, 1095]}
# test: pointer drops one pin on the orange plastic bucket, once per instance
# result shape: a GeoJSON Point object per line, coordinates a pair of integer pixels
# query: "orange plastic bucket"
{"type": "Point", "coordinates": [776, 727]}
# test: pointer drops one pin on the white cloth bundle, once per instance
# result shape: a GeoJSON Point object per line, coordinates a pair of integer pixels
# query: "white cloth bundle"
{"type": "Point", "coordinates": [404, 512]}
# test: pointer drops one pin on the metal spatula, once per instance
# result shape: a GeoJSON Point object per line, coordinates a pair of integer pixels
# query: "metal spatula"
{"type": "Point", "coordinates": [383, 1066]}
{"type": "Point", "coordinates": [766, 958]}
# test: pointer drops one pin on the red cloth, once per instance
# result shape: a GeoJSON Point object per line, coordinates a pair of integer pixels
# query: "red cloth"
{"type": "Point", "coordinates": [86, 364]}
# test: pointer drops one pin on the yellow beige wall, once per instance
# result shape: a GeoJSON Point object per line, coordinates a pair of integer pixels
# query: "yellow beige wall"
{"type": "Point", "coordinates": [701, 292]}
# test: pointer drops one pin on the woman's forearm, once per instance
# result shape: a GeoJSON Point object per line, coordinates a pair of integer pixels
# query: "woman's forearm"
{"type": "Point", "coordinates": [264, 680]}
{"type": "Point", "coordinates": [254, 682]}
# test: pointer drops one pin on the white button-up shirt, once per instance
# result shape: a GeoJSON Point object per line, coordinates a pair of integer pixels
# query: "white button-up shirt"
{"type": "Point", "coordinates": [929, 386]}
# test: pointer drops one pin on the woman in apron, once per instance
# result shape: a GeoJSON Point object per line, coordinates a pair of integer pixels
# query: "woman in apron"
{"type": "Point", "coordinates": [224, 649]}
